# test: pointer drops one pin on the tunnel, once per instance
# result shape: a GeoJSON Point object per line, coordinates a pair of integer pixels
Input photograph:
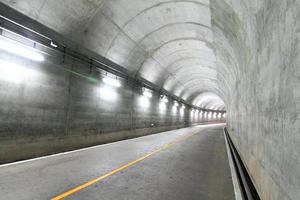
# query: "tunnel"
{"type": "Point", "coordinates": [150, 99]}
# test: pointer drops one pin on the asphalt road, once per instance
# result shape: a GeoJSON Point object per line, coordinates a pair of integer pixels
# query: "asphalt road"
{"type": "Point", "coordinates": [184, 164]}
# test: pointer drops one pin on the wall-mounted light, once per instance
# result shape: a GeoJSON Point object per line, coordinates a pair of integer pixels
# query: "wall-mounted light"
{"type": "Point", "coordinates": [209, 115]}
{"type": "Point", "coordinates": [20, 49]}
{"type": "Point", "coordinates": [111, 81]}
{"type": "Point", "coordinates": [164, 98]}
{"type": "Point", "coordinates": [175, 104]}
{"type": "Point", "coordinates": [219, 115]}
{"type": "Point", "coordinates": [147, 93]}
{"type": "Point", "coordinates": [215, 115]}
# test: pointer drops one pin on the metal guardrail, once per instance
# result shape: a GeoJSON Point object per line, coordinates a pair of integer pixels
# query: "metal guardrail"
{"type": "Point", "coordinates": [247, 187]}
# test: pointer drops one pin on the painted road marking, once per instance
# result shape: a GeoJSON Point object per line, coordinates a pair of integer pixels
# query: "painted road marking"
{"type": "Point", "coordinates": [87, 184]}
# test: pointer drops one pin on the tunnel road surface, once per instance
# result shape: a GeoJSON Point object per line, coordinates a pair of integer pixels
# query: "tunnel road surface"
{"type": "Point", "coordinates": [184, 164]}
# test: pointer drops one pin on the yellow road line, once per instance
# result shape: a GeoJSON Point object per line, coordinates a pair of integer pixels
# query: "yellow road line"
{"type": "Point", "coordinates": [87, 184]}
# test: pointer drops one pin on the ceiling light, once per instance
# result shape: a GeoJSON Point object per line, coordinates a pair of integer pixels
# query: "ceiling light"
{"type": "Point", "coordinates": [20, 50]}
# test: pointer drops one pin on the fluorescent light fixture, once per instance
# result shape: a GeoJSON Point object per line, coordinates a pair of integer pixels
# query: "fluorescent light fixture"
{"type": "Point", "coordinates": [164, 99]}
{"type": "Point", "coordinates": [147, 93]}
{"type": "Point", "coordinates": [20, 50]}
{"type": "Point", "coordinates": [111, 81]}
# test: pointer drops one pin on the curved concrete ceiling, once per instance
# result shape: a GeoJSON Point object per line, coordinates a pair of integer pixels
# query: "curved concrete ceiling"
{"type": "Point", "coordinates": [167, 42]}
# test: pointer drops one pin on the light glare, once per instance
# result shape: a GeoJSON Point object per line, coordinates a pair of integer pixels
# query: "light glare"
{"type": "Point", "coordinates": [174, 109]}
{"type": "Point", "coordinates": [108, 94]}
{"type": "Point", "coordinates": [111, 81]}
{"type": "Point", "coordinates": [175, 103]}
{"type": "Point", "coordinates": [181, 111]}
{"type": "Point", "coordinates": [144, 102]}
{"type": "Point", "coordinates": [15, 73]}
{"type": "Point", "coordinates": [162, 106]}
{"type": "Point", "coordinates": [20, 50]}
{"type": "Point", "coordinates": [164, 99]}
{"type": "Point", "coordinates": [147, 93]}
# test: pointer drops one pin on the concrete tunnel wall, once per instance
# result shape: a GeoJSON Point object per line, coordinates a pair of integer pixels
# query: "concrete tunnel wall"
{"type": "Point", "coordinates": [55, 110]}
{"type": "Point", "coordinates": [257, 50]}
{"type": "Point", "coordinates": [45, 108]}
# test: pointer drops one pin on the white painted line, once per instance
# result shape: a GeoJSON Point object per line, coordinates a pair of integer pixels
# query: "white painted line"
{"type": "Point", "coordinates": [236, 186]}
{"type": "Point", "coordinates": [49, 156]}
{"type": "Point", "coordinates": [83, 149]}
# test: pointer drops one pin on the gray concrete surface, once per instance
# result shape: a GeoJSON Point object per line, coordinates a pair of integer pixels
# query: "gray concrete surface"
{"type": "Point", "coordinates": [196, 168]}
{"type": "Point", "coordinates": [174, 49]}
{"type": "Point", "coordinates": [46, 108]}
{"type": "Point", "coordinates": [241, 53]}
{"type": "Point", "coordinates": [257, 50]}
